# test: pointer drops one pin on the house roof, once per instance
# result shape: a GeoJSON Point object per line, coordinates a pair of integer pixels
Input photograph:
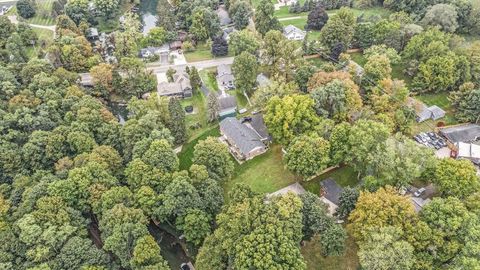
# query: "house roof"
{"type": "Point", "coordinates": [436, 111]}
{"type": "Point", "coordinates": [468, 150]}
{"type": "Point", "coordinates": [259, 126]}
{"type": "Point", "coordinates": [462, 133]}
{"type": "Point", "coordinates": [182, 78]}
{"type": "Point", "coordinates": [289, 29]}
{"type": "Point", "coordinates": [227, 102]}
{"type": "Point", "coordinates": [223, 16]}
{"type": "Point", "coordinates": [169, 88]}
{"type": "Point", "coordinates": [262, 80]}
{"type": "Point", "coordinates": [244, 138]}
{"type": "Point", "coordinates": [295, 188]}
{"type": "Point", "coordinates": [331, 190]}
{"type": "Point", "coordinates": [93, 32]}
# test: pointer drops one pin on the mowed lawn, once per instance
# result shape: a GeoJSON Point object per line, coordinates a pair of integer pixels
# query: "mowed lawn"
{"type": "Point", "coordinates": [263, 174]}
{"type": "Point", "coordinates": [312, 252]}
{"type": "Point", "coordinates": [344, 176]}
{"type": "Point", "coordinates": [43, 15]}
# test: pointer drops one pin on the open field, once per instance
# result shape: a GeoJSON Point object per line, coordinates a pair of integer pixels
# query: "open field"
{"type": "Point", "coordinates": [312, 253]}
{"type": "Point", "coordinates": [264, 174]}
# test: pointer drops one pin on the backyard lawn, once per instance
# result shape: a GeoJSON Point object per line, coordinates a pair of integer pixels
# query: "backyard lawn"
{"type": "Point", "coordinates": [264, 174]}
{"type": "Point", "coordinates": [199, 115]}
{"type": "Point", "coordinates": [202, 52]}
{"type": "Point", "coordinates": [344, 176]}
{"type": "Point", "coordinates": [186, 155]}
{"type": "Point", "coordinates": [43, 14]}
{"type": "Point", "coordinates": [312, 253]}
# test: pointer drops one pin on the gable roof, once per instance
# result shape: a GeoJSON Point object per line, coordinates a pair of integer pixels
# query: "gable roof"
{"type": "Point", "coordinates": [259, 126]}
{"type": "Point", "coordinates": [227, 102]}
{"type": "Point", "coordinates": [291, 29]}
{"type": "Point", "coordinates": [468, 150]}
{"type": "Point", "coordinates": [436, 112]}
{"type": "Point", "coordinates": [295, 188]}
{"type": "Point", "coordinates": [331, 190]}
{"type": "Point", "coordinates": [244, 138]}
{"type": "Point", "coordinates": [462, 133]}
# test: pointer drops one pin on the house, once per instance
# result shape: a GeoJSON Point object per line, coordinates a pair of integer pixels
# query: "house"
{"type": "Point", "coordinates": [467, 133]}
{"type": "Point", "coordinates": [423, 112]}
{"type": "Point", "coordinates": [262, 80]}
{"type": "Point", "coordinates": [92, 33]}
{"type": "Point", "coordinates": [227, 32]}
{"type": "Point", "coordinates": [294, 188]}
{"type": "Point", "coordinates": [260, 128]}
{"type": "Point", "coordinates": [244, 143]}
{"type": "Point", "coordinates": [180, 87]}
{"type": "Point", "coordinates": [162, 51]}
{"type": "Point", "coordinates": [223, 16]}
{"type": "Point", "coordinates": [228, 106]}
{"type": "Point", "coordinates": [175, 45]}
{"type": "Point", "coordinates": [330, 194]}
{"type": "Point", "coordinates": [225, 79]}
{"type": "Point", "coordinates": [292, 32]}
{"type": "Point", "coordinates": [424, 198]}
{"type": "Point", "coordinates": [468, 151]}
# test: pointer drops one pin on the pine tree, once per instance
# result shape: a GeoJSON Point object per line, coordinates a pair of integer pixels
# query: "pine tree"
{"type": "Point", "coordinates": [195, 79]}
{"type": "Point", "coordinates": [219, 46]}
{"type": "Point", "coordinates": [213, 107]}
{"type": "Point", "coordinates": [177, 121]}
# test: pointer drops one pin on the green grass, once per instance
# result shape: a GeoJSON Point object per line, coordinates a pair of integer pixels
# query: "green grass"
{"type": "Point", "coordinates": [44, 34]}
{"type": "Point", "coordinates": [43, 15]}
{"type": "Point", "coordinates": [109, 25]}
{"type": "Point", "coordinates": [263, 174]}
{"type": "Point", "coordinates": [186, 155]}
{"type": "Point", "coordinates": [208, 77]}
{"type": "Point", "coordinates": [198, 101]}
{"type": "Point", "coordinates": [300, 22]}
{"type": "Point", "coordinates": [312, 252]}
{"type": "Point", "coordinates": [242, 101]}
{"type": "Point", "coordinates": [344, 176]}
{"type": "Point", "coordinates": [202, 52]}
{"type": "Point", "coordinates": [318, 62]}
{"type": "Point", "coordinates": [441, 100]}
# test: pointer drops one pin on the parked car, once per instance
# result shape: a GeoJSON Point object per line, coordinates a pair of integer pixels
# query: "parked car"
{"type": "Point", "coordinates": [419, 192]}
{"type": "Point", "coordinates": [246, 119]}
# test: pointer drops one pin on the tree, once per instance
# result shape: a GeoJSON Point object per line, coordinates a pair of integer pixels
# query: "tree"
{"type": "Point", "coordinates": [205, 24]}
{"type": "Point", "coordinates": [177, 121]}
{"type": "Point", "coordinates": [102, 77]}
{"type": "Point", "coordinates": [126, 41]}
{"type": "Point", "coordinates": [135, 80]}
{"type": "Point", "coordinates": [283, 56]}
{"type": "Point", "coordinates": [303, 74]}
{"type": "Point", "coordinates": [317, 18]}
{"type": "Point", "coordinates": [348, 199]}
{"type": "Point", "coordinates": [265, 19]}
{"type": "Point", "coordinates": [315, 218]}
{"type": "Point", "coordinates": [26, 8]}
{"type": "Point", "coordinates": [456, 178]}
{"type": "Point", "coordinates": [244, 41]}
{"type": "Point", "coordinates": [146, 255]}
{"type": "Point", "coordinates": [277, 87]}
{"type": "Point", "coordinates": [213, 107]}
{"type": "Point", "coordinates": [377, 68]}
{"type": "Point", "coordinates": [215, 156]}
{"type": "Point", "coordinates": [219, 46]}
{"type": "Point", "coordinates": [308, 155]}
{"type": "Point", "coordinates": [241, 13]}
{"type": "Point", "coordinates": [466, 102]}
{"type": "Point", "coordinates": [160, 155]}
{"type": "Point", "coordinates": [384, 249]}
{"type": "Point", "coordinates": [333, 240]}
{"type": "Point", "coordinates": [366, 138]}
{"type": "Point", "coordinates": [339, 142]}
{"type": "Point", "coordinates": [156, 37]}
{"type": "Point", "coordinates": [442, 15]}
{"type": "Point", "coordinates": [16, 49]}
{"type": "Point", "coordinates": [289, 117]}
{"type": "Point", "coordinates": [245, 68]}
{"type": "Point", "coordinates": [77, 10]}
{"type": "Point", "coordinates": [170, 72]}
{"type": "Point", "coordinates": [6, 29]}
{"type": "Point", "coordinates": [382, 49]}
{"type": "Point", "coordinates": [107, 7]}
{"type": "Point", "coordinates": [195, 79]}
{"type": "Point", "coordinates": [337, 100]}
{"type": "Point", "coordinates": [195, 225]}
{"type": "Point", "coordinates": [339, 29]}
{"type": "Point", "coordinates": [437, 73]}
{"type": "Point", "coordinates": [390, 208]}
{"type": "Point", "coordinates": [179, 197]}
{"type": "Point", "coordinates": [473, 53]}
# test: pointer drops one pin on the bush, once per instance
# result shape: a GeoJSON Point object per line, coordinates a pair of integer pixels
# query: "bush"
{"type": "Point", "coordinates": [26, 8]}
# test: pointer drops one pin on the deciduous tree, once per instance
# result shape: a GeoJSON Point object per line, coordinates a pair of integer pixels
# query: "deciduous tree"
{"type": "Point", "coordinates": [215, 156]}
{"type": "Point", "coordinates": [308, 155]}
{"type": "Point", "coordinates": [245, 68]}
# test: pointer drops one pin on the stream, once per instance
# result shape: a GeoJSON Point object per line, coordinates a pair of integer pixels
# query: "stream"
{"type": "Point", "coordinates": [148, 13]}
{"type": "Point", "coordinates": [171, 251]}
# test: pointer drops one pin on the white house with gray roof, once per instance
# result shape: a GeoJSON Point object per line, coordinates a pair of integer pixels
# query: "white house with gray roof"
{"type": "Point", "coordinates": [244, 143]}
{"type": "Point", "coordinates": [292, 32]}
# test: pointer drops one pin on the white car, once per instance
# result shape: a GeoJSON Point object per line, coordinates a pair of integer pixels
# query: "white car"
{"type": "Point", "coordinates": [419, 192]}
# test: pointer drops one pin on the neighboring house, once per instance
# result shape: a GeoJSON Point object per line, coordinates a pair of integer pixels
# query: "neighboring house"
{"type": "Point", "coordinates": [162, 51]}
{"type": "Point", "coordinates": [292, 32]}
{"type": "Point", "coordinates": [244, 143]}
{"type": "Point", "coordinates": [225, 79]}
{"type": "Point", "coordinates": [262, 80]}
{"type": "Point", "coordinates": [468, 151]}
{"type": "Point", "coordinates": [175, 45]}
{"type": "Point", "coordinates": [92, 33]}
{"type": "Point", "coordinates": [422, 200]}
{"type": "Point", "coordinates": [180, 87]}
{"type": "Point", "coordinates": [227, 32]}
{"type": "Point", "coordinates": [423, 112]}
{"type": "Point", "coordinates": [330, 194]}
{"type": "Point", "coordinates": [467, 133]}
{"type": "Point", "coordinates": [228, 106]}
{"type": "Point", "coordinates": [223, 16]}
{"type": "Point", "coordinates": [294, 188]}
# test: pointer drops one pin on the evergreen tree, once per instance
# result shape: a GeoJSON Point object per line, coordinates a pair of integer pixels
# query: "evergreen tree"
{"type": "Point", "coordinates": [265, 20]}
{"type": "Point", "coordinates": [219, 46]}
{"type": "Point", "coordinates": [213, 107]}
{"type": "Point", "coordinates": [195, 79]}
{"type": "Point", "coordinates": [177, 121]}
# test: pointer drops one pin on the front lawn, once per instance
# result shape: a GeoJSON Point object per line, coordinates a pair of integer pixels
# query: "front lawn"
{"type": "Point", "coordinates": [312, 253]}
{"type": "Point", "coordinates": [344, 176]}
{"type": "Point", "coordinates": [202, 52]}
{"type": "Point", "coordinates": [186, 155]}
{"type": "Point", "coordinates": [263, 174]}
{"type": "Point", "coordinates": [298, 22]}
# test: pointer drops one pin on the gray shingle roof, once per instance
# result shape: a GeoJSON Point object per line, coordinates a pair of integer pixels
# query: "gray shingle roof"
{"type": "Point", "coordinates": [464, 133]}
{"type": "Point", "coordinates": [331, 190]}
{"type": "Point", "coordinates": [259, 125]}
{"type": "Point", "coordinates": [244, 138]}
{"type": "Point", "coordinates": [227, 102]}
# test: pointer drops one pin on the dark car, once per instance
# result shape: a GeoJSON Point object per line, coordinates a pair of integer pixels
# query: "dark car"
{"type": "Point", "coordinates": [189, 109]}
{"type": "Point", "coordinates": [246, 119]}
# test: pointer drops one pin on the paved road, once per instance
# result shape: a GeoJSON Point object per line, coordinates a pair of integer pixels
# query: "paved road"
{"type": "Point", "coordinates": [157, 68]}
{"type": "Point", "coordinates": [291, 18]}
